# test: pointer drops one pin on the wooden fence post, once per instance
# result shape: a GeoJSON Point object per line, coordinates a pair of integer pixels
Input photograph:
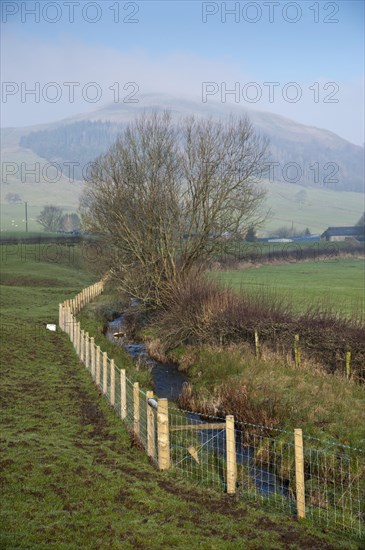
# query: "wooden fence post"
{"type": "Point", "coordinates": [150, 427]}
{"type": "Point", "coordinates": [92, 353]}
{"type": "Point", "coordinates": [297, 350]}
{"type": "Point", "coordinates": [78, 340]}
{"type": "Point", "coordinates": [257, 343]}
{"type": "Point", "coordinates": [348, 365]}
{"type": "Point", "coordinates": [71, 333]}
{"type": "Point", "coordinates": [231, 455]}
{"type": "Point", "coordinates": [136, 408]}
{"type": "Point", "coordinates": [123, 394]}
{"type": "Point", "coordinates": [299, 472]}
{"type": "Point", "coordinates": [105, 372]}
{"type": "Point", "coordinates": [163, 436]}
{"type": "Point", "coordinates": [74, 331]}
{"type": "Point", "coordinates": [66, 320]}
{"type": "Point", "coordinates": [87, 350]}
{"type": "Point", "coordinates": [68, 314]}
{"type": "Point", "coordinates": [75, 334]}
{"type": "Point", "coordinates": [82, 346]}
{"type": "Point", "coordinates": [112, 382]}
{"type": "Point", "coordinates": [70, 324]}
{"type": "Point", "coordinates": [60, 311]}
{"type": "Point", "coordinates": [97, 366]}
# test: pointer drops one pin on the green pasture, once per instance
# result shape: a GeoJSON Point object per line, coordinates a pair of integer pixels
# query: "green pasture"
{"type": "Point", "coordinates": [39, 189]}
{"type": "Point", "coordinates": [13, 215]}
{"type": "Point", "coordinates": [322, 207]}
{"type": "Point", "coordinates": [319, 209]}
{"type": "Point", "coordinates": [338, 284]}
{"type": "Point", "coordinates": [70, 476]}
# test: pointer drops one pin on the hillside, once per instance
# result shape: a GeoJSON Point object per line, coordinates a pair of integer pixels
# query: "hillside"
{"type": "Point", "coordinates": [329, 167]}
{"type": "Point", "coordinates": [323, 158]}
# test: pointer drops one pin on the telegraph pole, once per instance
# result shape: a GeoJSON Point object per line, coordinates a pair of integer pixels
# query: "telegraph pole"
{"type": "Point", "coordinates": [26, 217]}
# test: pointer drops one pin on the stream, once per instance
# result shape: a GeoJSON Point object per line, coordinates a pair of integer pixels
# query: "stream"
{"type": "Point", "coordinates": [168, 382]}
{"type": "Point", "coordinates": [167, 379]}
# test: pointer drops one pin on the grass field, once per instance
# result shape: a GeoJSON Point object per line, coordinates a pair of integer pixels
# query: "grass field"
{"type": "Point", "coordinates": [38, 190]}
{"type": "Point", "coordinates": [320, 209]}
{"type": "Point", "coordinates": [338, 283]}
{"type": "Point", "coordinates": [70, 477]}
{"type": "Point", "coordinates": [13, 215]}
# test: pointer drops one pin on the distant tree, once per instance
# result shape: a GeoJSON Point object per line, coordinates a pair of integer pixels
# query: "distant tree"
{"type": "Point", "coordinates": [13, 198]}
{"type": "Point", "coordinates": [301, 197]}
{"type": "Point", "coordinates": [51, 218]}
{"type": "Point", "coordinates": [361, 225]}
{"type": "Point", "coordinates": [361, 220]}
{"type": "Point", "coordinates": [70, 222]}
{"type": "Point", "coordinates": [283, 232]}
{"type": "Point", "coordinates": [251, 236]}
{"type": "Point", "coordinates": [286, 232]}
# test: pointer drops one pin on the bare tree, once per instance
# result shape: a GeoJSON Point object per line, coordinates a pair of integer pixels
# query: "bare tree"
{"type": "Point", "coordinates": [301, 197]}
{"type": "Point", "coordinates": [361, 220]}
{"type": "Point", "coordinates": [13, 198]}
{"type": "Point", "coordinates": [166, 196]}
{"type": "Point", "coordinates": [70, 222]}
{"type": "Point", "coordinates": [51, 218]}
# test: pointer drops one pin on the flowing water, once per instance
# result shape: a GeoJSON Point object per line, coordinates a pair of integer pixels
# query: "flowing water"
{"type": "Point", "coordinates": [168, 382]}
{"type": "Point", "coordinates": [167, 379]}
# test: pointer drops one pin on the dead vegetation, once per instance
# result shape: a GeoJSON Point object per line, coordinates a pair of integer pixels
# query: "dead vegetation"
{"type": "Point", "coordinates": [201, 312]}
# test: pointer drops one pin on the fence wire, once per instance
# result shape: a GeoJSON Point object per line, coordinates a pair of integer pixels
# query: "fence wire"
{"type": "Point", "coordinates": [262, 464]}
{"type": "Point", "coordinates": [335, 488]}
{"type": "Point", "coordinates": [199, 453]}
{"type": "Point", "coordinates": [130, 416]}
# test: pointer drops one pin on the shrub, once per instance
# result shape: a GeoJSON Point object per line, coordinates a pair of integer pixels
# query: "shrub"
{"type": "Point", "coordinates": [201, 312]}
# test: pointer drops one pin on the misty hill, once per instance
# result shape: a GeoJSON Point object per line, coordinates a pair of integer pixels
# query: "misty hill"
{"type": "Point", "coordinates": [79, 142]}
{"type": "Point", "coordinates": [319, 158]}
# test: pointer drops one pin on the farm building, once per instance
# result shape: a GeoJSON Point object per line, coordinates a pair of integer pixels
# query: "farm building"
{"type": "Point", "coordinates": [343, 233]}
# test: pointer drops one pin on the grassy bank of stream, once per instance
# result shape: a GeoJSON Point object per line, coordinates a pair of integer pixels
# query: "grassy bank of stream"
{"type": "Point", "coordinates": [70, 477]}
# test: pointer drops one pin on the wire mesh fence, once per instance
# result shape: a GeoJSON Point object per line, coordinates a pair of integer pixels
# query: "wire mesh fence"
{"type": "Point", "coordinates": [335, 488]}
{"type": "Point", "coordinates": [198, 449]}
{"type": "Point", "coordinates": [129, 419]}
{"type": "Point", "coordinates": [298, 475]}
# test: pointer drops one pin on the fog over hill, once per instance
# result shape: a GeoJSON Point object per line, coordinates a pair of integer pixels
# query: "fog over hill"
{"type": "Point", "coordinates": [300, 154]}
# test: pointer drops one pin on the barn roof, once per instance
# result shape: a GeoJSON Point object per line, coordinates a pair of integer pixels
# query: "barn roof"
{"type": "Point", "coordinates": [349, 231]}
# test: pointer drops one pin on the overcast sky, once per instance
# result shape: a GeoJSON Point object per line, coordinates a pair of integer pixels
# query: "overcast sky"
{"type": "Point", "coordinates": [300, 59]}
